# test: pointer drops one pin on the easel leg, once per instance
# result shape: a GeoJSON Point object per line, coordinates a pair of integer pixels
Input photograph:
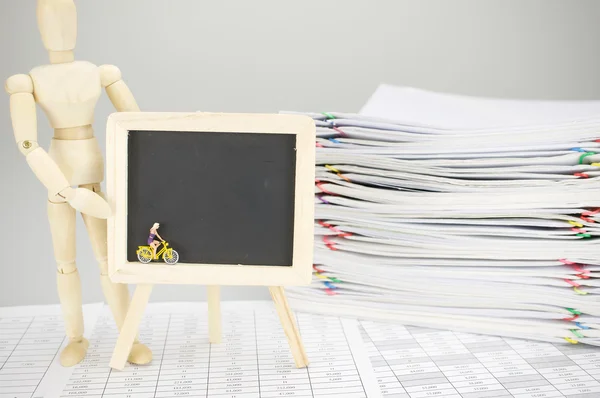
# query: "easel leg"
{"type": "Point", "coordinates": [214, 314]}
{"type": "Point", "coordinates": [130, 326]}
{"type": "Point", "coordinates": [289, 326]}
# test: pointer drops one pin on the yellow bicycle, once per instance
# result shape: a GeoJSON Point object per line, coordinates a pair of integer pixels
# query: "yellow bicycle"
{"type": "Point", "coordinates": [169, 256]}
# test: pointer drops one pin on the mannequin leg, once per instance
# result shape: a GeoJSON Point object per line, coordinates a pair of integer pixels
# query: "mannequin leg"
{"type": "Point", "coordinates": [62, 227]}
{"type": "Point", "coordinates": [116, 294]}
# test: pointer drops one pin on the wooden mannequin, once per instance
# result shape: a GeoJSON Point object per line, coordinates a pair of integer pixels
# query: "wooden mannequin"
{"type": "Point", "coordinates": [67, 91]}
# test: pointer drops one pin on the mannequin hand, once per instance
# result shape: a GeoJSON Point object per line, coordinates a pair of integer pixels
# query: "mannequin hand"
{"type": "Point", "coordinates": [87, 202]}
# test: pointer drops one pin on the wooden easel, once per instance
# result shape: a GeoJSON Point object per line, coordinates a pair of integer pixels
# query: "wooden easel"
{"type": "Point", "coordinates": [294, 271]}
{"type": "Point", "coordinates": [140, 300]}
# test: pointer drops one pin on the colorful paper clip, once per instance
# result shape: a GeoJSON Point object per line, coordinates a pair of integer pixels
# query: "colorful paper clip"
{"type": "Point", "coordinates": [585, 214]}
{"type": "Point", "coordinates": [339, 232]}
{"type": "Point", "coordinates": [319, 270]}
{"type": "Point", "coordinates": [585, 155]}
{"type": "Point", "coordinates": [320, 197]}
{"type": "Point", "coordinates": [572, 283]}
{"type": "Point", "coordinates": [339, 174]}
{"type": "Point", "coordinates": [328, 115]}
{"type": "Point", "coordinates": [582, 326]}
{"type": "Point", "coordinates": [328, 243]}
{"type": "Point", "coordinates": [572, 341]}
{"type": "Point", "coordinates": [575, 314]}
{"type": "Point", "coordinates": [330, 285]}
{"type": "Point", "coordinates": [319, 185]}
{"type": "Point", "coordinates": [340, 131]}
{"type": "Point", "coordinates": [577, 333]}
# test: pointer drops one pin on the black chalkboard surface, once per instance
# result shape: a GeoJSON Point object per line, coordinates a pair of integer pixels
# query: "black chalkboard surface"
{"type": "Point", "coordinates": [220, 198]}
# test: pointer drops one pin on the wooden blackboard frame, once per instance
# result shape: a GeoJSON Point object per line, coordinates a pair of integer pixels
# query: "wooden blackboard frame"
{"type": "Point", "coordinates": [122, 271]}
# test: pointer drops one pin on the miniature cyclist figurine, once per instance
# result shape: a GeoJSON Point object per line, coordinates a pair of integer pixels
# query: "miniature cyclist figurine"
{"type": "Point", "coordinates": [153, 242]}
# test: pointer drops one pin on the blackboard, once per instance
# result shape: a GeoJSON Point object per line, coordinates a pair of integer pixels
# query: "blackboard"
{"type": "Point", "coordinates": [220, 197]}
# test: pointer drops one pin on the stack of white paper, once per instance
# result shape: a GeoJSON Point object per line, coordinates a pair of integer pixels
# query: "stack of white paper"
{"type": "Point", "coordinates": [485, 228]}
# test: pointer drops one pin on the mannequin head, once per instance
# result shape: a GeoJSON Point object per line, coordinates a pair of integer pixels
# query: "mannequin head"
{"type": "Point", "coordinates": [57, 21]}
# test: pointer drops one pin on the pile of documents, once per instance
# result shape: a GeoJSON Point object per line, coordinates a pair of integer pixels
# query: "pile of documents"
{"type": "Point", "coordinates": [427, 218]}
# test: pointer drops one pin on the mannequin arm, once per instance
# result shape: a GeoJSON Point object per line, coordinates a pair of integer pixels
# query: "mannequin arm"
{"type": "Point", "coordinates": [24, 121]}
{"type": "Point", "coordinates": [116, 89]}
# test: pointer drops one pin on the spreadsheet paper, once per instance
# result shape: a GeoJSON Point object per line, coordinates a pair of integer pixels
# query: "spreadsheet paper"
{"type": "Point", "coordinates": [418, 363]}
{"type": "Point", "coordinates": [253, 360]}
{"type": "Point", "coordinates": [30, 341]}
{"type": "Point", "coordinates": [348, 358]}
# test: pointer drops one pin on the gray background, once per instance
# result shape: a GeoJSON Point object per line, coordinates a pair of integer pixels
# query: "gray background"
{"type": "Point", "coordinates": [271, 55]}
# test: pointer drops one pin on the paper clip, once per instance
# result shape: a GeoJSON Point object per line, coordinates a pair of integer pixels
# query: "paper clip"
{"type": "Point", "coordinates": [329, 243]}
{"type": "Point", "coordinates": [340, 131]}
{"type": "Point", "coordinates": [332, 168]}
{"type": "Point", "coordinates": [582, 175]}
{"type": "Point", "coordinates": [330, 292]}
{"type": "Point", "coordinates": [338, 231]}
{"type": "Point", "coordinates": [319, 185]}
{"type": "Point", "coordinates": [330, 285]}
{"type": "Point", "coordinates": [583, 235]}
{"type": "Point", "coordinates": [572, 283]}
{"type": "Point", "coordinates": [317, 269]}
{"type": "Point", "coordinates": [580, 292]}
{"type": "Point", "coordinates": [595, 164]}
{"type": "Point", "coordinates": [575, 223]}
{"type": "Point", "coordinates": [339, 174]}
{"type": "Point", "coordinates": [577, 333]}
{"type": "Point", "coordinates": [585, 214]}
{"type": "Point", "coordinates": [318, 275]}
{"type": "Point", "coordinates": [582, 326]}
{"type": "Point", "coordinates": [581, 272]}
{"type": "Point", "coordinates": [567, 262]}
{"type": "Point", "coordinates": [580, 230]}
{"type": "Point", "coordinates": [334, 141]}
{"type": "Point", "coordinates": [585, 155]}
{"type": "Point", "coordinates": [319, 145]}
{"type": "Point", "coordinates": [334, 279]}
{"type": "Point", "coordinates": [575, 314]}
{"type": "Point", "coordinates": [328, 115]}
{"type": "Point", "coordinates": [570, 340]}
{"type": "Point", "coordinates": [322, 200]}
{"type": "Point", "coordinates": [578, 149]}
{"type": "Point", "coordinates": [590, 213]}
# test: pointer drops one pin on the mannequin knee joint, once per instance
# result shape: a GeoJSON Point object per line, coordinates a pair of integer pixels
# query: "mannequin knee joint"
{"type": "Point", "coordinates": [66, 268]}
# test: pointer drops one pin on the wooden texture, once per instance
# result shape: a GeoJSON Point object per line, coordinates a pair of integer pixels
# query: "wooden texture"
{"type": "Point", "coordinates": [211, 274]}
{"type": "Point", "coordinates": [81, 160]}
{"type": "Point", "coordinates": [213, 294]}
{"type": "Point", "coordinates": [68, 283]}
{"type": "Point", "coordinates": [130, 326]}
{"type": "Point", "coordinates": [289, 326]}
{"type": "Point", "coordinates": [121, 97]}
{"type": "Point", "coordinates": [57, 22]}
{"type": "Point", "coordinates": [67, 91]}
